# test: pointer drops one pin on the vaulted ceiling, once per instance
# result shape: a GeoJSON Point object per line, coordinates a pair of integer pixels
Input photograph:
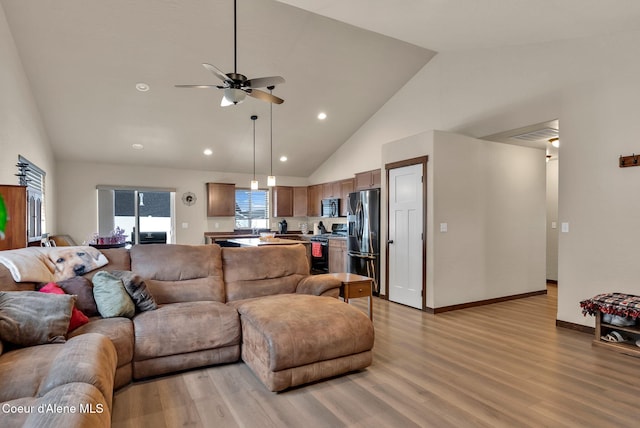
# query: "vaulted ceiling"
{"type": "Point", "coordinates": [84, 57]}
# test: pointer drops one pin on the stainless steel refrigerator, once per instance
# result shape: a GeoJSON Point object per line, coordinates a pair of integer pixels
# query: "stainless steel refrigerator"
{"type": "Point", "coordinates": [363, 244]}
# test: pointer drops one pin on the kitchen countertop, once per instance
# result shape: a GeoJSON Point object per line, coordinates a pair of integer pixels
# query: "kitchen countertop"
{"type": "Point", "coordinates": [255, 242]}
{"type": "Point", "coordinates": [211, 237]}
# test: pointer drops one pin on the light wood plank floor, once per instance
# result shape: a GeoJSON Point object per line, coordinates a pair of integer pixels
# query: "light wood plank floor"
{"type": "Point", "coordinates": [501, 365]}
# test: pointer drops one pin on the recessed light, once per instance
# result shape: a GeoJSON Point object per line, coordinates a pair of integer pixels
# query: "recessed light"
{"type": "Point", "coordinates": [137, 146]}
{"type": "Point", "coordinates": [322, 115]}
{"type": "Point", "coordinates": [142, 87]}
{"type": "Point", "coordinates": [208, 152]}
{"type": "Point", "coordinates": [283, 158]}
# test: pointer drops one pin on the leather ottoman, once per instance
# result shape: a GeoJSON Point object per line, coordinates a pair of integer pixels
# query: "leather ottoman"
{"type": "Point", "coordinates": [293, 339]}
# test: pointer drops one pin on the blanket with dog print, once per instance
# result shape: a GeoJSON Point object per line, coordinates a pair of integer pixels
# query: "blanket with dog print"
{"type": "Point", "coordinates": [46, 264]}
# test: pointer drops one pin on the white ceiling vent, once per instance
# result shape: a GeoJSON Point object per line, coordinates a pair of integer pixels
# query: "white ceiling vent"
{"type": "Point", "coordinates": [537, 135]}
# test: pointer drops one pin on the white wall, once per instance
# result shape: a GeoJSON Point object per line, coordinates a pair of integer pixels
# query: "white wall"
{"type": "Point", "coordinates": [590, 85]}
{"type": "Point", "coordinates": [492, 197]}
{"type": "Point", "coordinates": [78, 196]}
{"type": "Point", "coordinates": [21, 128]}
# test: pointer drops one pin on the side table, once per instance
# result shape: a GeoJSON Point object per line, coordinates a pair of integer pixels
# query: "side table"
{"type": "Point", "coordinates": [354, 286]}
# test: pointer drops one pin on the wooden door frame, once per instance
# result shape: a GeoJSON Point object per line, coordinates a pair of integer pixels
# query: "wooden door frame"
{"type": "Point", "coordinates": [422, 160]}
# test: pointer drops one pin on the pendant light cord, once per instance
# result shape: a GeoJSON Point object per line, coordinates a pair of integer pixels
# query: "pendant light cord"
{"type": "Point", "coordinates": [271, 132]}
{"type": "Point", "coordinates": [254, 147]}
{"type": "Point", "coordinates": [235, 39]}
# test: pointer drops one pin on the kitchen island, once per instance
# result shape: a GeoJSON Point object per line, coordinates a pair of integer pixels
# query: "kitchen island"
{"type": "Point", "coordinates": [258, 242]}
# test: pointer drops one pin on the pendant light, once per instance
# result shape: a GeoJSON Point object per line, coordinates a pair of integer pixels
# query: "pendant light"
{"type": "Point", "coordinates": [271, 179]}
{"type": "Point", "coordinates": [254, 182]}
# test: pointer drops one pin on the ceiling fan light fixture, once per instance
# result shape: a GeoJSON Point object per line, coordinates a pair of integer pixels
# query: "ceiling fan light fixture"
{"type": "Point", "coordinates": [232, 96]}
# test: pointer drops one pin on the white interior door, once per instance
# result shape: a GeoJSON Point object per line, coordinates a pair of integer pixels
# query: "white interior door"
{"type": "Point", "coordinates": [406, 235]}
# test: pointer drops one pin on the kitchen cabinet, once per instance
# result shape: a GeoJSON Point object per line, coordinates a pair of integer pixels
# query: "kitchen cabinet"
{"type": "Point", "coordinates": [346, 187]}
{"type": "Point", "coordinates": [15, 208]}
{"type": "Point", "coordinates": [300, 208]}
{"type": "Point", "coordinates": [282, 201]}
{"type": "Point", "coordinates": [314, 198]}
{"type": "Point", "coordinates": [337, 255]}
{"type": "Point", "coordinates": [368, 180]}
{"type": "Point", "coordinates": [331, 190]}
{"type": "Point", "coordinates": [221, 200]}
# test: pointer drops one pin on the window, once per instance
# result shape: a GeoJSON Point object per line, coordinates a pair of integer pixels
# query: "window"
{"type": "Point", "coordinates": [33, 177]}
{"type": "Point", "coordinates": [252, 209]}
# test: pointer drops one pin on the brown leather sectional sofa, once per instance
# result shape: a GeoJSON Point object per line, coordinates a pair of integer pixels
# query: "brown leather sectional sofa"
{"type": "Point", "coordinates": [215, 305]}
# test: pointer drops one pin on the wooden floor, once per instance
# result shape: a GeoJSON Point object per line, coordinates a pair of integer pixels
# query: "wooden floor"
{"type": "Point", "coordinates": [504, 364]}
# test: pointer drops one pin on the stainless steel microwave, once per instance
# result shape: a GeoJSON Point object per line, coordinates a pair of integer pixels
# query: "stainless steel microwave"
{"type": "Point", "coordinates": [331, 207]}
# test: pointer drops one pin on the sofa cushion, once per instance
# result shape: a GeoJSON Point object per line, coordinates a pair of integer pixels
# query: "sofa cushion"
{"type": "Point", "coordinates": [77, 317]}
{"type": "Point", "coordinates": [83, 288]}
{"type": "Point", "coordinates": [180, 273]}
{"type": "Point", "coordinates": [90, 358]}
{"type": "Point", "coordinates": [136, 288]}
{"type": "Point", "coordinates": [119, 330]}
{"type": "Point", "coordinates": [181, 328]}
{"type": "Point", "coordinates": [111, 297]}
{"type": "Point", "coordinates": [262, 271]}
{"type": "Point", "coordinates": [32, 318]}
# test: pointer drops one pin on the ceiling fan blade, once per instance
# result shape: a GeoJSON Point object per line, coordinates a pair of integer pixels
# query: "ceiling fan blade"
{"type": "Point", "coordinates": [200, 86]}
{"type": "Point", "coordinates": [217, 72]}
{"type": "Point", "coordinates": [261, 95]}
{"type": "Point", "coordinates": [263, 82]}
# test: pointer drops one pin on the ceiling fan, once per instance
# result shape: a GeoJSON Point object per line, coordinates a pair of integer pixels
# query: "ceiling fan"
{"type": "Point", "coordinates": [237, 86]}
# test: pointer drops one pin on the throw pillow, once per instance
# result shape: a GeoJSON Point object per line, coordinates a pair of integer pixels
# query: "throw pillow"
{"type": "Point", "coordinates": [137, 289]}
{"type": "Point", "coordinates": [77, 317]}
{"type": "Point", "coordinates": [30, 318]}
{"type": "Point", "coordinates": [81, 287]}
{"type": "Point", "coordinates": [111, 297]}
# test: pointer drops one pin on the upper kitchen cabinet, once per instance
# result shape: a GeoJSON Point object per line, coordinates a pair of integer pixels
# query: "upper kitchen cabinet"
{"type": "Point", "coordinates": [282, 201]}
{"type": "Point", "coordinates": [368, 180]}
{"type": "Point", "coordinates": [221, 200]}
{"type": "Point", "coordinates": [331, 190]}
{"type": "Point", "coordinates": [314, 198]}
{"type": "Point", "coordinates": [346, 187]}
{"type": "Point", "coordinates": [300, 204]}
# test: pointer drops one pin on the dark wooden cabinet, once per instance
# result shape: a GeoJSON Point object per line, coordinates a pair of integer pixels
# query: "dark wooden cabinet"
{"type": "Point", "coordinates": [300, 207]}
{"type": "Point", "coordinates": [337, 255]}
{"type": "Point", "coordinates": [368, 180]}
{"type": "Point", "coordinates": [346, 187]}
{"type": "Point", "coordinates": [282, 201]}
{"type": "Point", "coordinates": [314, 198]}
{"type": "Point", "coordinates": [221, 200]}
{"type": "Point", "coordinates": [14, 205]}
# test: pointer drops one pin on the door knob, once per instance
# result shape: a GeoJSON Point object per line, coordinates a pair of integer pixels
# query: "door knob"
{"type": "Point", "coordinates": [390, 241]}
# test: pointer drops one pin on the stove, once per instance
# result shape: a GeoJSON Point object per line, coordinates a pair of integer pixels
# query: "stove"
{"type": "Point", "coordinates": [320, 247]}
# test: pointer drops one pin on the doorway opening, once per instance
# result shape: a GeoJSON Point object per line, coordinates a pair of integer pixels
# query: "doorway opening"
{"type": "Point", "coordinates": [406, 225]}
{"type": "Point", "coordinates": [146, 215]}
{"type": "Point", "coordinates": [545, 136]}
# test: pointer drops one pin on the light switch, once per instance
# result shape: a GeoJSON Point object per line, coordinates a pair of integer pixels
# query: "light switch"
{"type": "Point", "coordinates": [564, 227]}
{"type": "Point", "coordinates": [185, 225]}
{"type": "Point", "coordinates": [443, 227]}
{"type": "Point", "coordinates": [554, 225]}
